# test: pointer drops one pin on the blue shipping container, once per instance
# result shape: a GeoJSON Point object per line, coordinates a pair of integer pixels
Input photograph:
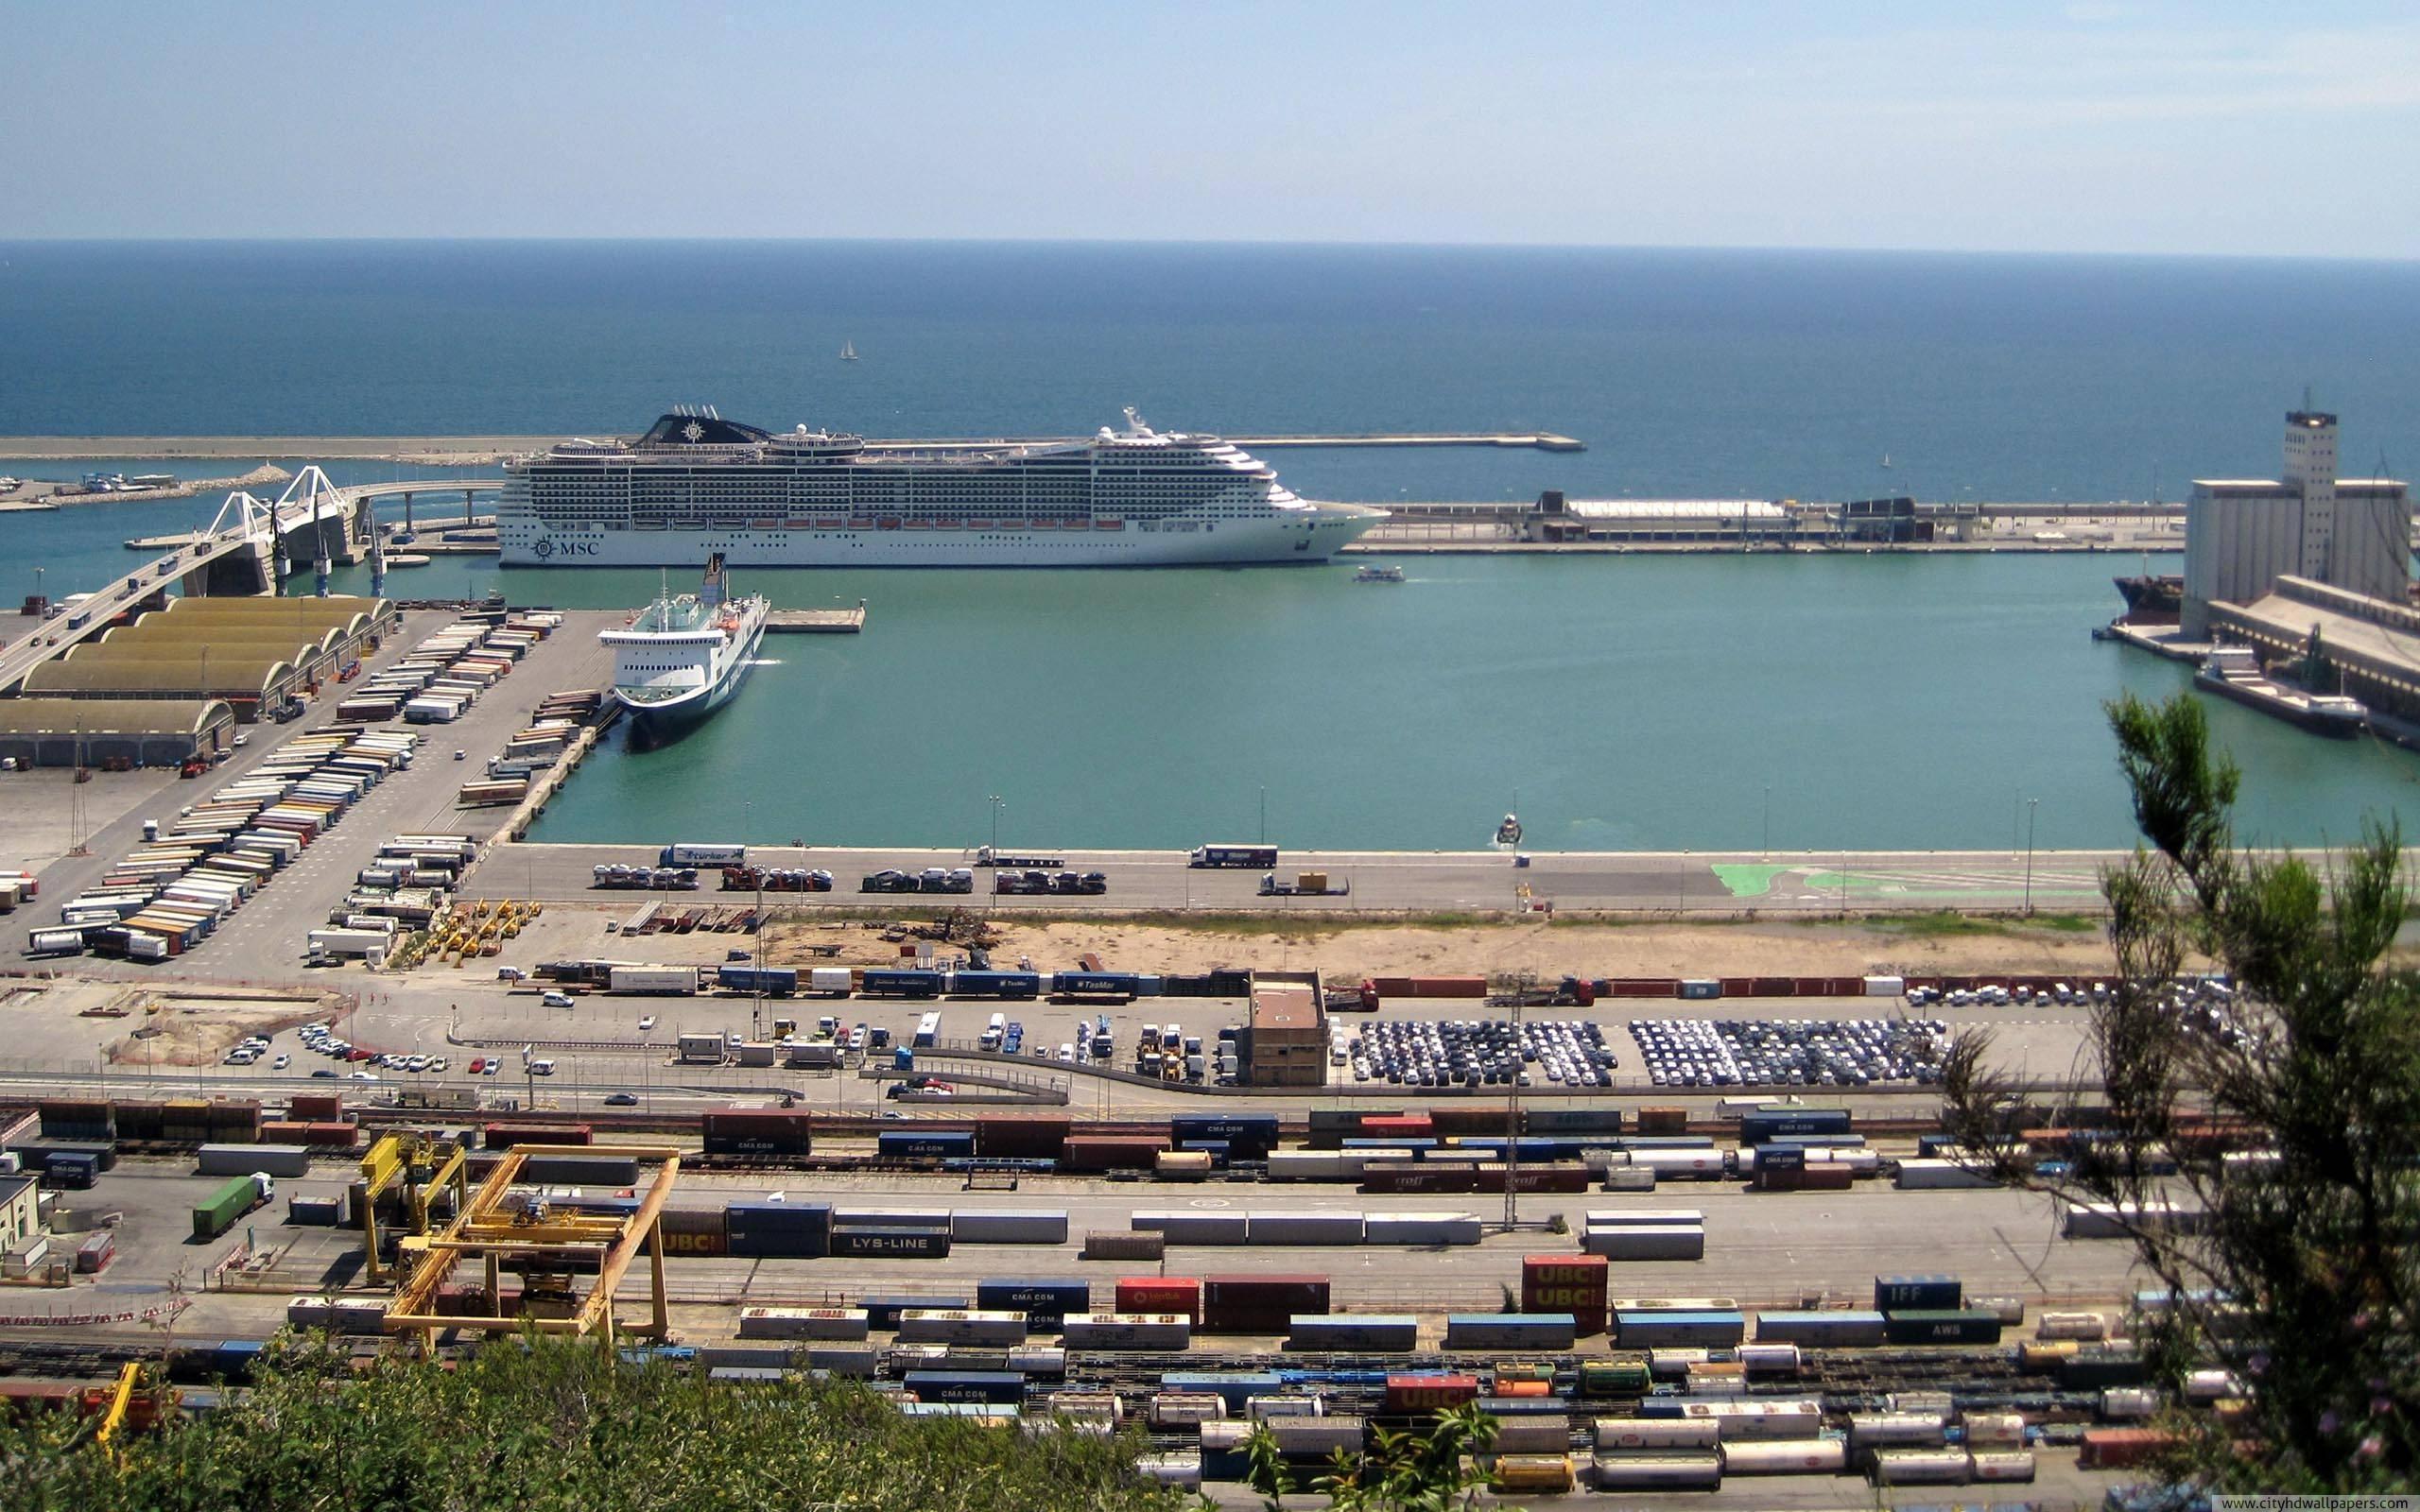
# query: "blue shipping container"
{"type": "Point", "coordinates": [1917, 1294]}
{"type": "Point", "coordinates": [911, 1145]}
{"type": "Point", "coordinates": [1041, 1302]}
{"type": "Point", "coordinates": [1234, 1388]}
{"type": "Point", "coordinates": [1679, 1331]}
{"type": "Point", "coordinates": [1096, 984]}
{"type": "Point", "coordinates": [996, 983]}
{"type": "Point", "coordinates": [903, 984]}
{"type": "Point", "coordinates": [1249, 1137]}
{"type": "Point", "coordinates": [778, 1230]}
{"type": "Point", "coordinates": [774, 981]}
{"type": "Point", "coordinates": [997, 1387]}
{"type": "Point", "coordinates": [1757, 1127]}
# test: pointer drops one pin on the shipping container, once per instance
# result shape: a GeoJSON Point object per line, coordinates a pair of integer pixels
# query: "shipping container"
{"type": "Point", "coordinates": [1429, 1393]}
{"type": "Point", "coordinates": [994, 1387]}
{"type": "Point", "coordinates": [916, 1144]}
{"type": "Point", "coordinates": [1303, 1226]}
{"type": "Point", "coordinates": [1853, 1329]}
{"type": "Point", "coordinates": [1264, 1303]}
{"type": "Point", "coordinates": [1795, 1456]}
{"type": "Point", "coordinates": [901, 1243]}
{"type": "Point", "coordinates": [778, 1230]}
{"type": "Point", "coordinates": [1126, 1330]}
{"type": "Point", "coordinates": [1763, 1419]}
{"type": "Point", "coordinates": [1879, 1431]}
{"type": "Point", "coordinates": [1576, 1284]}
{"type": "Point", "coordinates": [758, 1131]}
{"type": "Point", "coordinates": [1921, 1467]}
{"type": "Point", "coordinates": [1510, 1330]}
{"type": "Point", "coordinates": [1931, 1326]}
{"type": "Point", "coordinates": [1352, 1333]}
{"type": "Point", "coordinates": [1640, 1242]}
{"type": "Point", "coordinates": [242, 1160]}
{"type": "Point", "coordinates": [1160, 1294]}
{"type": "Point", "coordinates": [1621, 1471]}
{"type": "Point", "coordinates": [1938, 1294]}
{"type": "Point", "coordinates": [1719, 1330]}
{"type": "Point", "coordinates": [1042, 1301]}
{"type": "Point", "coordinates": [217, 1213]}
{"type": "Point", "coordinates": [1009, 1226]}
{"type": "Point", "coordinates": [961, 1326]}
{"type": "Point", "coordinates": [1316, 1438]}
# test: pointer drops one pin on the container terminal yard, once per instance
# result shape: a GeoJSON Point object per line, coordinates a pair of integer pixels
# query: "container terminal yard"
{"type": "Point", "coordinates": [1692, 1234]}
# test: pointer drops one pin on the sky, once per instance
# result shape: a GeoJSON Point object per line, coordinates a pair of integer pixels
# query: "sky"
{"type": "Point", "coordinates": [2215, 128]}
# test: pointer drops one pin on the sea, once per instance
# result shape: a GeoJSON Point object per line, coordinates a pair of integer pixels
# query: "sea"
{"type": "Point", "coordinates": [1711, 702]}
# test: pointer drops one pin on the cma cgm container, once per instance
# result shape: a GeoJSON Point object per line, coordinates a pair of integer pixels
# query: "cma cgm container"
{"type": "Point", "coordinates": [1261, 1303]}
{"type": "Point", "coordinates": [1043, 1303]}
{"type": "Point", "coordinates": [993, 1387]}
{"type": "Point", "coordinates": [1249, 1137]}
{"type": "Point", "coordinates": [1755, 1128]}
{"type": "Point", "coordinates": [916, 1144]}
{"type": "Point", "coordinates": [752, 1132]}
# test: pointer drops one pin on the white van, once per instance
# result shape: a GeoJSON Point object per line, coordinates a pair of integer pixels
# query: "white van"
{"type": "Point", "coordinates": [556, 1000]}
{"type": "Point", "coordinates": [542, 1068]}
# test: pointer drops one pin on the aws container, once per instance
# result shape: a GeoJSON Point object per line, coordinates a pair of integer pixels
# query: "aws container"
{"type": "Point", "coordinates": [899, 1244]}
{"type": "Point", "coordinates": [1798, 1456]}
{"type": "Point", "coordinates": [778, 1230]}
{"type": "Point", "coordinates": [1510, 1330]}
{"type": "Point", "coordinates": [1126, 1330]}
{"type": "Point", "coordinates": [235, 1160]}
{"type": "Point", "coordinates": [1006, 1226]}
{"type": "Point", "coordinates": [1929, 1326]}
{"type": "Point", "coordinates": [1683, 1330]}
{"type": "Point", "coordinates": [218, 1212]}
{"type": "Point", "coordinates": [1260, 1304]}
{"type": "Point", "coordinates": [1938, 1294]}
{"type": "Point", "coordinates": [752, 1132]}
{"type": "Point", "coordinates": [992, 1387]}
{"type": "Point", "coordinates": [1160, 1294]}
{"type": "Point", "coordinates": [1655, 1472]}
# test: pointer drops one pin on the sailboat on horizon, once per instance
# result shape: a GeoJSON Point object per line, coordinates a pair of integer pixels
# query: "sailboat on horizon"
{"type": "Point", "coordinates": [847, 352]}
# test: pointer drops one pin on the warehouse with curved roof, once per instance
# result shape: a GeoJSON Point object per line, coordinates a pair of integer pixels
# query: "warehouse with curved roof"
{"type": "Point", "coordinates": [254, 653]}
{"type": "Point", "coordinates": [249, 682]}
{"type": "Point", "coordinates": [98, 733]}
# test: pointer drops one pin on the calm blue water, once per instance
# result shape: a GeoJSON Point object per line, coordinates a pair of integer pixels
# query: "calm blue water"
{"type": "Point", "coordinates": [1638, 701]}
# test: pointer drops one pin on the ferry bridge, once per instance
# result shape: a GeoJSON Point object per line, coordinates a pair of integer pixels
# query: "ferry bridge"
{"type": "Point", "coordinates": [245, 550]}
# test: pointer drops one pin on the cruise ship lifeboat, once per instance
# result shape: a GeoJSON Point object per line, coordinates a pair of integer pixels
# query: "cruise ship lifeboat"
{"type": "Point", "coordinates": [1109, 524]}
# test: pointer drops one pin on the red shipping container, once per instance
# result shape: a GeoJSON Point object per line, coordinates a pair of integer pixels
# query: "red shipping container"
{"type": "Point", "coordinates": [1490, 1120]}
{"type": "Point", "coordinates": [281, 1133]}
{"type": "Point", "coordinates": [1398, 1177]}
{"type": "Point", "coordinates": [1576, 1285]}
{"type": "Point", "coordinates": [1663, 1120]}
{"type": "Point", "coordinates": [1448, 987]}
{"type": "Point", "coordinates": [1026, 1139]}
{"type": "Point", "coordinates": [505, 1136]}
{"type": "Point", "coordinates": [1259, 1304]}
{"type": "Point", "coordinates": [1398, 1126]}
{"type": "Point", "coordinates": [333, 1135]}
{"type": "Point", "coordinates": [1534, 1178]}
{"type": "Point", "coordinates": [2119, 1449]}
{"type": "Point", "coordinates": [1160, 1294]}
{"type": "Point", "coordinates": [311, 1107]}
{"type": "Point", "coordinates": [1417, 1394]}
{"type": "Point", "coordinates": [1111, 1152]}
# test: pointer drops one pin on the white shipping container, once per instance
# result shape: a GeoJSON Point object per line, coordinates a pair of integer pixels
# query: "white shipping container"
{"type": "Point", "coordinates": [1938, 1176]}
{"type": "Point", "coordinates": [2002, 1465]}
{"type": "Point", "coordinates": [1627, 1244]}
{"type": "Point", "coordinates": [1644, 1218]}
{"type": "Point", "coordinates": [1983, 1428]}
{"type": "Point", "coordinates": [1421, 1228]}
{"type": "Point", "coordinates": [1185, 1409]}
{"type": "Point", "coordinates": [1663, 1473]}
{"type": "Point", "coordinates": [1630, 1433]}
{"type": "Point", "coordinates": [1758, 1419]}
{"type": "Point", "coordinates": [1126, 1330]}
{"type": "Point", "coordinates": [1799, 1457]}
{"type": "Point", "coordinates": [1306, 1226]}
{"type": "Point", "coordinates": [1922, 1467]}
{"type": "Point", "coordinates": [1895, 1429]}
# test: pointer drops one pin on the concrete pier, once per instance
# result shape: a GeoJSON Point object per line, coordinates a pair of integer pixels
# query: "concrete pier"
{"type": "Point", "coordinates": [817, 621]}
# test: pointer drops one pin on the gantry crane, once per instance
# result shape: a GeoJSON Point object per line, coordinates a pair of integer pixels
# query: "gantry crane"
{"type": "Point", "coordinates": [426, 1166]}
{"type": "Point", "coordinates": [492, 1227]}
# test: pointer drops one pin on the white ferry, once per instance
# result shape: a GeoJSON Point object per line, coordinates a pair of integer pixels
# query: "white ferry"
{"type": "Point", "coordinates": [680, 659]}
{"type": "Point", "coordinates": [697, 484]}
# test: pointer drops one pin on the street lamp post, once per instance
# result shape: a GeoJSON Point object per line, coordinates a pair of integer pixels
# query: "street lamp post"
{"type": "Point", "coordinates": [2032, 804]}
{"type": "Point", "coordinates": [1264, 813]}
{"type": "Point", "coordinates": [1769, 821]}
{"type": "Point", "coordinates": [997, 803]}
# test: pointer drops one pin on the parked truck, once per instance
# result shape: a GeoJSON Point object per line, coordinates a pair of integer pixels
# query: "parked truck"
{"type": "Point", "coordinates": [239, 1197]}
{"type": "Point", "coordinates": [1305, 884]}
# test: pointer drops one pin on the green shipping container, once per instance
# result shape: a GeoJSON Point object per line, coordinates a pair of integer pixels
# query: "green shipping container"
{"type": "Point", "coordinates": [1941, 1328]}
{"type": "Point", "coordinates": [231, 1202]}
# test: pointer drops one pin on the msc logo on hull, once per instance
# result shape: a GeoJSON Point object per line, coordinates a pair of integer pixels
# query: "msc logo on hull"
{"type": "Point", "coordinates": [547, 548]}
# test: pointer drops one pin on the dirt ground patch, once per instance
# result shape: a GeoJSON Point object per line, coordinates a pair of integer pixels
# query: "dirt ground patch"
{"type": "Point", "coordinates": [1351, 948]}
{"type": "Point", "coordinates": [197, 1028]}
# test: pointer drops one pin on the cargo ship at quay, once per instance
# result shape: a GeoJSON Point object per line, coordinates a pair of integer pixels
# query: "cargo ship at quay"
{"type": "Point", "coordinates": [697, 484]}
{"type": "Point", "coordinates": [680, 659]}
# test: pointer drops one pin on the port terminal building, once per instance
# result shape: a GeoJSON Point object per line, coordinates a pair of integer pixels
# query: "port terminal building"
{"type": "Point", "coordinates": [2371, 645]}
{"type": "Point", "coordinates": [113, 732]}
{"type": "Point", "coordinates": [1748, 523]}
{"type": "Point", "coordinates": [2242, 535]}
{"type": "Point", "coordinates": [254, 654]}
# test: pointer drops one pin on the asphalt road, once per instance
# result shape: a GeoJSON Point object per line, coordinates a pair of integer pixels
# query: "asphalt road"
{"type": "Point", "coordinates": [1449, 882]}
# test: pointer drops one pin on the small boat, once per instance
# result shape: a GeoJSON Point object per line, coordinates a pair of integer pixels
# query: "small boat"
{"type": "Point", "coordinates": [406, 558]}
{"type": "Point", "coordinates": [1508, 835]}
{"type": "Point", "coordinates": [2234, 671]}
{"type": "Point", "coordinates": [847, 352]}
{"type": "Point", "coordinates": [1379, 575]}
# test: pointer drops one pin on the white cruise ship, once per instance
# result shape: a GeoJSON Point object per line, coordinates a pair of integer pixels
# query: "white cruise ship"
{"type": "Point", "coordinates": [697, 484]}
{"type": "Point", "coordinates": [680, 659]}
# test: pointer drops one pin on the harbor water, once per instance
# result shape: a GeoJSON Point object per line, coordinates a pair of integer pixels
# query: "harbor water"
{"type": "Point", "coordinates": [1665, 702]}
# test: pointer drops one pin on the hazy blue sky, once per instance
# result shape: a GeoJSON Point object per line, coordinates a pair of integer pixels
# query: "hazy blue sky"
{"type": "Point", "coordinates": [2212, 127]}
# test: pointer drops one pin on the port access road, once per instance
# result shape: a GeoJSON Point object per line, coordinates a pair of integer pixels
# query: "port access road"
{"type": "Point", "coordinates": [1670, 883]}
